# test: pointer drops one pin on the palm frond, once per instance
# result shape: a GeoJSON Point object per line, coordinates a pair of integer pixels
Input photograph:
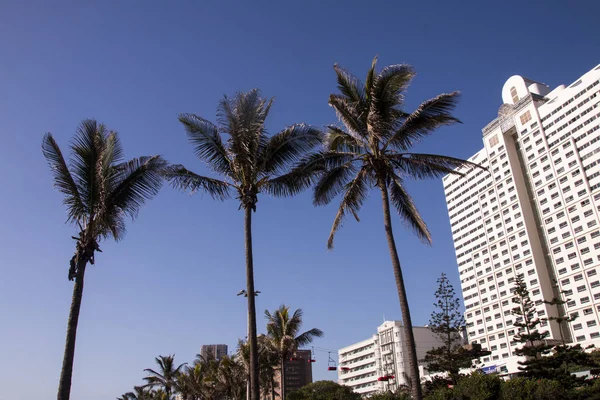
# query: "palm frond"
{"type": "Point", "coordinates": [332, 183]}
{"type": "Point", "coordinates": [287, 185]}
{"type": "Point", "coordinates": [407, 209]}
{"type": "Point", "coordinates": [183, 179]}
{"type": "Point", "coordinates": [308, 337]}
{"type": "Point", "coordinates": [208, 146]}
{"type": "Point", "coordinates": [429, 116]}
{"type": "Point", "coordinates": [112, 155]}
{"type": "Point", "coordinates": [370, 80]}
{"type": "Point", "coordinates": [422, 166]}
{"type": "Point", "coordinates": [136, 181]}
{"type": "Point", "coordinates": [349, 85]}
{"type": "Point", "coordinates": [288, 146]}
{"type": "Point", "coordinates": [86, 161]}
{"type": "Point", "coordinates": [305, 173]}
{"type": "Point", "coordinates": [387, 97]}
{"type": "Point", "coordinates": [351, 117]}
{"type": "Point", "coordinates": [63, 180]}
{"type": "Point", "coordinates": [337, 139]}
{"type": "Point", "coordinates": [355, 193]}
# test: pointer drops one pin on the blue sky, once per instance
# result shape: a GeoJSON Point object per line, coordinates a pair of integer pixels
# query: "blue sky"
{"type": "Point", "coordinates": [170, 285]}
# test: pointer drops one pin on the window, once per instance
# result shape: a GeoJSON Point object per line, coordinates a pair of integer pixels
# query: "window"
{"type": "Point", "coordinates": [514, 95]}
{"type": "Point", "coordinates": [525, 117]}
{"type": "Point", "coordinates": [494, 141]}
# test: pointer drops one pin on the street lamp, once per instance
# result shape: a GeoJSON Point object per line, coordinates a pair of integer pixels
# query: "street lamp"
{"type": "Point", "coordinates": [243, 292]}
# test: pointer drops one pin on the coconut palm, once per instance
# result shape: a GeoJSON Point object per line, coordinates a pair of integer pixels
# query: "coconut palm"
{"type": "Point", "coordinates": [166, 377]}
{"type": "Point", "coordinates": [268, 360]}
{"type": "Point", "coordinates": [374, 151]}
{"type": "Point", "coordinates": [139, 393]}
{"type": "Point", "coordinates": [283, 331]}
{"type": "Point", "coordinates": [250, 162]}
{"type": "Point", "coordinates": [100, 190]}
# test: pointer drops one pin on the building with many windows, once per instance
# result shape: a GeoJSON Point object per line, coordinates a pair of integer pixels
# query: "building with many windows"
{"type": "Point", "coordinates": [213, 351]}
{"type": "Point", "coordinates": [534, 213]}
{"type": "Point", "coordinates": [362, 365]}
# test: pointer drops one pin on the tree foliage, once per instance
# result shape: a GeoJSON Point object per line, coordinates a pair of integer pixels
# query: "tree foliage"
{"type": "Point", "coordinates": [447, 324]}
{"type": "Point", "coordinates": [283, 335]}
{"type": "Point", "coordinates": [324, 390]}
{"type": "Point", "coordinates": [533, 341]}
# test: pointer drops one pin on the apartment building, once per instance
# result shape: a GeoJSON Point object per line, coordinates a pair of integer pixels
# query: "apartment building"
{"type": "Point", "coordinates": [213, 351]}
{"type": "Point", "coordinates": [380, 362]}
{"type": "Point", "coordinates": [534, 213]}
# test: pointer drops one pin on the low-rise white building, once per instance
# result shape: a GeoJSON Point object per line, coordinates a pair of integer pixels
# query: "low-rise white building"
{"type": "Point", "coordinates": [362, 365]}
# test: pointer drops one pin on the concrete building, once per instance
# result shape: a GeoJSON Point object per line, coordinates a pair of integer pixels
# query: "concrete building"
{"type": "Point", "coordinates": [216, 351]}
{"type": "Point", "coordinates": [534, 214]}
{"type": "Point", "coordinates": [298, 372]}
{"type": "Point", "coordinates": [384, 354]}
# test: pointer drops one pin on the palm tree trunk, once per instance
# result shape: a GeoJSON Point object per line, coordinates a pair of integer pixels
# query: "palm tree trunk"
{"type": "Point", "coordinates": [272, 388]}
{"type": "Point", "coordinates": [413, 366]}
{"type": "Point", "coordinates": [282, 380]}
{"type": "Point", "coordinates": [64, 385]}
{"type": "Point", "coordinates": [254, 387]}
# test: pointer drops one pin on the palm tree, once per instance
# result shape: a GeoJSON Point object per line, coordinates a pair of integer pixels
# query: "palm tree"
{"type": "Point", "coordinates": [166, 377]}
{"type": "Point", "coordinates": [139, 393]}
{"type": "Point", "coordinates": [283, 333]}
{"type": "Point", "coordinates": [373, 151]}
{"type": "Point", "coordinates": [250, 162]}
{"type": "Point", "coordinates": [100, 190]}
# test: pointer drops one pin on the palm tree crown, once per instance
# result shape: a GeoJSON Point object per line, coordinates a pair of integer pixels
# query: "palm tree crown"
{"type": "Point", "coordinates": [249, 160]}
{"type": "Point", "coordinates": [283, 330]}
{"type": "Point", "coordinates": [374, 149]}
{"type": "Point", "coordinates": [100, 188]}
{"type": "Point", "coordinates": [166, 377]}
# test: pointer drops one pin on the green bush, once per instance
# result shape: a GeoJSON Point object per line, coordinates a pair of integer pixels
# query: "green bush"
{"type": "Point", "coordinates": [441, 393]}
{"type": "Point", "coordinates": [532, 389]}
{"type": "Point", "coordinates": [478, 386]}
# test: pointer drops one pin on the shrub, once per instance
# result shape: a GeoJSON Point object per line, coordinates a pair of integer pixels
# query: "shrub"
{"type": "Point", "coordinates": [478, 386]}
{"type": "Point", "coordinates": [532, 389]}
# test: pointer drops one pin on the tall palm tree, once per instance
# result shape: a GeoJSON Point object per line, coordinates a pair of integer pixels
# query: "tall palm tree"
{"type": "Point", "coordinates": [100, 190]}
{"type": "Point", "coordinates": [250, 162]}
{"type": "Point", "coordinates": [374, 151]}
{"type": "Point", "coordinates": [166, 377]}
{"type": "Point", "coordinates": [283, 331]}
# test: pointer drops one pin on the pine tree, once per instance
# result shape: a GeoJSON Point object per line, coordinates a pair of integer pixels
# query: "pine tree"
{"type": "Point", "coordinates": [562, 319]}
{"type": "Point", "coordinates": [534, 344]}
{"type": "Point", "coordinates": [447, 324]}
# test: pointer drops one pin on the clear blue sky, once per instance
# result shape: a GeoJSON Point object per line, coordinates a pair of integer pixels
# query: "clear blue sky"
{"type": "Point", "coordinates": [170, 285]}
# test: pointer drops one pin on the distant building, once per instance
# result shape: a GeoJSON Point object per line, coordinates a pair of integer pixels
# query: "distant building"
{"type": "Point", "coordinates": [382, 355]}
{"type": "Point", "coordinates": [298, 373]}
{"type": "Point", "coordinates": [535, 213]}
{"type": "Point", "coordinates": [216, 351]}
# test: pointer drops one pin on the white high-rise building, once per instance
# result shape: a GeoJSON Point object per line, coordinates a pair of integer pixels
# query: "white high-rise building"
{"type": "Point", "coordinates": [536, 213]}
{"type": "Point", "coordinates": [363, 364]}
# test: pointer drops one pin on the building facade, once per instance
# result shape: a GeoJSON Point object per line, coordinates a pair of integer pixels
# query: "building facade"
{"type": "Point", "coordinates": [298, 372]}
{"type": "Point", "coordinates": [213, 351]}
{"type": "Point", "coordinates": [534, 213]}
{"type": "Point", "coordinates": [362, 364]}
